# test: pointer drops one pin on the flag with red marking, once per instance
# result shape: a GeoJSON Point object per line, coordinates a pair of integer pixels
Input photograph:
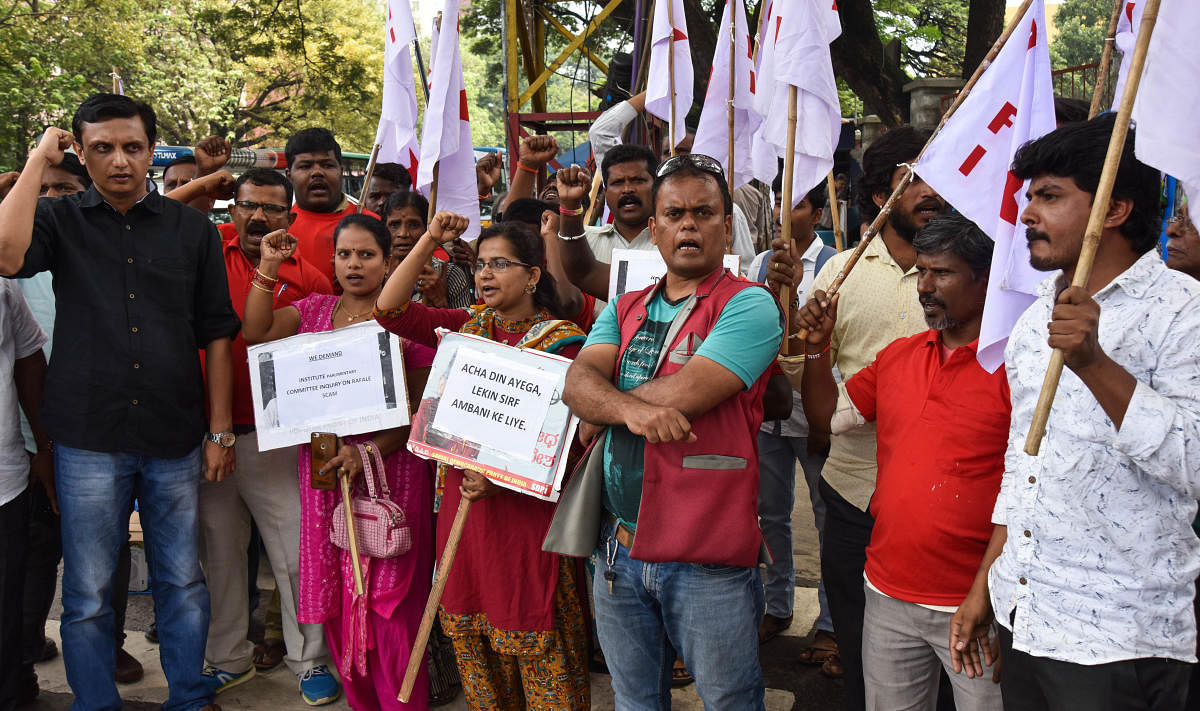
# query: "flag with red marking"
{"type": "Point", "coordinates": [1125, 39]}
{"type": "Point", "coordinates": [446, 135]}
{"type": "Point", "coordinates": [397, 132]}
{"type": "Point", "coordinates": [968, 164]}
{"type": "Point", "coordinates": [712, 133]}
{"type": "Point", "coordinates": [659, 83]}
{"type": "Point", "coordinates": [794, 51]}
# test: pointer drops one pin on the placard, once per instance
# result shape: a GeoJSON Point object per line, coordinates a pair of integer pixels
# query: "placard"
{"type": "Point", "coordinates": [635, 269]}
{"type": "Point", "coordinates": [348, 381]}
{"type": "Point", "coordinates": [497, 410]}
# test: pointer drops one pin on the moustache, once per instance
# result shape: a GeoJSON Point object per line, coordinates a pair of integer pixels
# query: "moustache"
{"type": "Point", "coordinates": [257, 228]}
{"type": "Point", "coordinates": [932, 301]}
{"type": "Point", "coordinates": [629, 200]}
{"type": "Point", "coordinates": [1032, 235]}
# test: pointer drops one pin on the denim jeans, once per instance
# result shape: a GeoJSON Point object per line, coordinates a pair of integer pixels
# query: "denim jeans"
{"type": "Point", "coordinates": [94, 490]}
{"type": "Point", "coordinates": [777, 457]}
{"type": "Point", "coordinates": [710, 613]}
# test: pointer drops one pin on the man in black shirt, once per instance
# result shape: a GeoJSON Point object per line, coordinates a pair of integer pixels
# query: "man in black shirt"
{"type": "Point", "coordinates": [140, 287]}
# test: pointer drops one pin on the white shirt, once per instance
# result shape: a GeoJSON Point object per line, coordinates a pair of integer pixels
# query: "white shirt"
{"type": "Point", "coordinates": [20, 337]}
{"type": "Point", "coordinates": [1101, 556]}
{"type": "Point", "coordinates": [38, 291]}
{"type": "Point", "coordinates": [796, 425]}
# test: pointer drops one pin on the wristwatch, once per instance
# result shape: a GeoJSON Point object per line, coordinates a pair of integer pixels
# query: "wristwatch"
{"type": "Point", "coordinates": [222, 439]}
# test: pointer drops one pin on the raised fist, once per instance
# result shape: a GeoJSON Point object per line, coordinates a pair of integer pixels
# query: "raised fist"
{"type": "Point", "coordinates": [277, 246]}
{"type": "Point", "coordinates": [221, 185]}
{"type": "Point", "coordinates": [573, 185]}
{"type": "Point", "coordinates": [7, 181]}
{"type": "Point", "coordinates": [211, 154]}
{"type": "Point", "coordinates": [537, 151]}
{"type": "Point", "coordinates": [53, 146]}
{"type": "Point", "coordinates": [487, 172]}
{"type": "Point", "coordinates": [447, 226]}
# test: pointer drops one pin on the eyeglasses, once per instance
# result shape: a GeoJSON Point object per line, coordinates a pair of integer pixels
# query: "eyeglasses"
{"type": "Point", "coordinates": [1183, 221]}
{"type": "Point", "coordinates": [498, 264]}
{"type": "Point", "coordinates": [267, 208]}
{"type": "Point", "coordinates": [693, 160]}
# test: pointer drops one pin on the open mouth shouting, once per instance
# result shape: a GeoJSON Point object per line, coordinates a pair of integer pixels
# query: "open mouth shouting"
{"type": "Point", "coordinates": [688, 245]}
{"type": "Point", "coordinates": [928, 209]}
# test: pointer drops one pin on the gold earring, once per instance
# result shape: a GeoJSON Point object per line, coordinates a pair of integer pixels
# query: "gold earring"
{"type": "Point", "coordinates": [530, 288]}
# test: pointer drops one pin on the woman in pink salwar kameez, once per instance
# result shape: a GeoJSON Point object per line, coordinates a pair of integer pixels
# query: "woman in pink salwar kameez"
{"type": "Point", "coordinates": [370, 636]}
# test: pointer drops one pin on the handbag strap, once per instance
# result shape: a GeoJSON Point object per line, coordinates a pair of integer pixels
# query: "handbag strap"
{"type": "Point", "coordinates": [368, 470]}
{"type": "Point", "coordinates": [373, 469]}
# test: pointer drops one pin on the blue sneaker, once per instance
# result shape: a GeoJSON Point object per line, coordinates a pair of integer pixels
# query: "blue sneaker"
{"type": "Point", "coordinates": [219, 680]}
{"type": "Point", "coordinates": [318, 687]}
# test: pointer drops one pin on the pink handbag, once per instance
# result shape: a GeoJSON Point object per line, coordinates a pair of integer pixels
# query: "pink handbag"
{"type": "Point", "coordinates": [382, 528]}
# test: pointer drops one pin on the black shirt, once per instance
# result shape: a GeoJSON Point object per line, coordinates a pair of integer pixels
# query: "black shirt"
{"type": "Point", "coordinates": [136, 296]}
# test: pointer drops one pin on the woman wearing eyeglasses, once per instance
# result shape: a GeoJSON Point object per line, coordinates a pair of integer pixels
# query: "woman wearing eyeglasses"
{"type": "Point", "coordinates": [513, 612]}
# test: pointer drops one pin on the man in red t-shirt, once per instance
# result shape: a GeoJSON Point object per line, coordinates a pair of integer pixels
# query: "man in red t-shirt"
{"type": "Point", "coordinates": [264, 486]}
{"type": "Point", "coordinates": [942, 423]}
{"type": "Point", "coordinates": [314, 165]}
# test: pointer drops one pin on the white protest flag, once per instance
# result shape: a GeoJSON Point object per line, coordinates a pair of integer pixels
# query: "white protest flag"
{"type": "Point", "coordinates": [659, 84]}
{"type": "Point", "coordinates": [446, 135]}
{"type": "Point", "coordinates": [795, 52]}
{"type": "Point", "coordinates": [712, 134]}
{"type": "Point", "coordinates": [397, 134]}
{"type": "Point", "coordinates": [1126, 38]}
{"type": "Point", "coordinates": [1168, 98]}
{"type": "Point", "coordinates": [968, 164]}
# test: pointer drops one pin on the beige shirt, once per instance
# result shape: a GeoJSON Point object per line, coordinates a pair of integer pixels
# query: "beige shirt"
{"type": "Point", "coordinates": [878, 304]}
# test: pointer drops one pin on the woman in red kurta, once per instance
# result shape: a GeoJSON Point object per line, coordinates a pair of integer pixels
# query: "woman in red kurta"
{"type": "Point", "coordinates": [514, 613]}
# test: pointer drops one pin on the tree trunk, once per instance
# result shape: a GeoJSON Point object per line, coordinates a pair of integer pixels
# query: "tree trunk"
{"type": "Point", "coordinates": [985, 22]}
{"type": "Point", "coordinates": [860, 60]}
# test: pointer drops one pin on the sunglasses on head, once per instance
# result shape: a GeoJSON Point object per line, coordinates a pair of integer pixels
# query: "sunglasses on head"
{"type": "Point", "coordinates": [693, 160]}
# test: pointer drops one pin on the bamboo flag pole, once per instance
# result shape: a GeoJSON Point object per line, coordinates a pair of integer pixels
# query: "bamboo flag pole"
{"type": "Point", "coordinates": [1110, 39]}
{"type": "Point", "coordinates": [886, 210]}
{"type": "Point", "coordinates": [785, 215]}
{"type": "Point", "coordinates": [362, 198]}
{"type": "Point", "coordinates": [671, 70]}
{"type": "Point", "coordinates": [116, 81]}
{"type": "Point", "coordinates": [417, 656]}
{"type": "Point", "coordinates": [352, 535]}
{"type": "Point", "coordinates": [1095, 225]}
{"type": "Point", "coordinates": [729, 172]}
{"type": "Point", "coordinates": [433, 194]}
{"type": "Point", "coordinates": [592, 195]}
{"type": "Point", "coordinates": [835, 215]}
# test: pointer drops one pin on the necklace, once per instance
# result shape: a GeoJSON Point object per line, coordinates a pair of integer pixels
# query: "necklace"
{"type": "Point", "coordinates": [351, 318]}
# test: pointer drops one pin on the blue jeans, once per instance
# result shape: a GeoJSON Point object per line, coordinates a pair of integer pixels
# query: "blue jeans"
{"type": "Point", "coordinates": [94, 490]}
{"type": "Point", "coordinates": [777, 457]}
{"type": "Point", "coordinates": [710, 613]}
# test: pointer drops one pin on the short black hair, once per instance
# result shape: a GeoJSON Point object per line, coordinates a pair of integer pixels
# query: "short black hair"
{"type": "Point", "coordinates": [527, 211]}
{"type": "Point", "coordinates": [395, 173]}
{"type": "Point", "coordinates": [187, 159]}
{"type": "Point", "coordinates": [263, 177]}
{"type": "Point", "coordinates": [817, 197]}
{"type": "Point", "coordinates": [370, 224]}
{"type": "Point", "coordinates": [312, 140]}
{"type": "Point", "coordinates": [691, 171]}
{"type": "Point", "coordinates": [899, 145]}
{"type": "Point", "coordinates": [101, 107]}
{"type": "Point", "coordinates": [1077, 151]}
{"type": "Point", "coordinates": [1068, 110]}
{"type": "Point", "coordinates": [954, 233]}
{"type": "Point", "coordinates": [628, 153]}
{"type": "Point", "coordinates": [71, 164]}
{"type": "Point", "coordinates": [402, 199]}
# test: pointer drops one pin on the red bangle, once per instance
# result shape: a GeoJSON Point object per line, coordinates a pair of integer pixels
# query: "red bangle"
{"type": "Point", "coordinates": [527, 169]}
{"type": "Point", "coordinates": [485, 197]}
{"type": "Point", "coordinates": [570, 213]}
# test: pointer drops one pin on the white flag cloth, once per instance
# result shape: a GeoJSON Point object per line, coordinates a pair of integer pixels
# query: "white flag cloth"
{"type": "Point", "coordinates": [794, 51]}
{"type": "Point", "coordinates": [658, 85]}
{"type": "Point", "coordinates": [1168, 99]}
{"type": "Point", "coordinates": [712, 134]}
{"type": "Point", "coordinates": [968, 164]}
{"type": "Point", "coordinates": [1126, 38]}
{"type": "Point", "coordinates": [446, 135]}
{"type": "Point", "coordinates": [397, 133]}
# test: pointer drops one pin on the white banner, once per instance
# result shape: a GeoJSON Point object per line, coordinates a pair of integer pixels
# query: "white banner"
{"type": "Point", "coordinates": [348, 381]}
{"type": "Point", "coordinates": [634, 269]}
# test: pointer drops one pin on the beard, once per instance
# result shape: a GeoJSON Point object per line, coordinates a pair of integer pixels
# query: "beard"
{"type": "Point", "coordinates": [1042, 264]}
{"type": "Point", "coordinates": [904, 226]}
{"type": "Point", "coordinates": [942, 321]}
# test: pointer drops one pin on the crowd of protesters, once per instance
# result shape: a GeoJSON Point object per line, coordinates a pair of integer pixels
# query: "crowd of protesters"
{"type": "Point", "coordinates": [956, 570]}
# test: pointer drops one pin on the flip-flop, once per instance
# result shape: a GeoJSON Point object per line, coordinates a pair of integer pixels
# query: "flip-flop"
{"type": "Point", "coordinates": [833, 668]}
{"type": "Point", "coordinates": [823, 646]}
{"type": "Point", "coordinates": [268, 655]}
{"type": "Point", "coordinates": [680, 676]}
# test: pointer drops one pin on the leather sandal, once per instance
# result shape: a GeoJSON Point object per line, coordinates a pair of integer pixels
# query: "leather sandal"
{"type": "Point", "coordinates": [823, 646]}
{"type": "Point", "coordinates": [268, 655]}
{"type": "Point", "coordinates": [832, 667]}
{"type": "Point", "coordinates": [680, 676]}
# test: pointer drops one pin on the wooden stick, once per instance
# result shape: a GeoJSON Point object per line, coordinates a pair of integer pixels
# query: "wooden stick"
{"type": "Point", "coordinates": [729, 172]}
{"type": "Point", "coordinates": [116, 80]}
{"type": "Point", "coordinates": [835, 216]}
{"type": "Point", "coordinates": [352, 534]}
{"type": "Point", "coordinates": [367, 178]}
{"type": "Point", "coordinates": [1095, 226]}
{"type": "Point", "coordinates": [433, 195]}
{"type": "Point", "coordinates": [1106, 58]}
{"type": "Point", "coordinates": [671, 69]}
{"type": "Point", "coordinates": [785, 211]}
{"type": "Point", "coordinates": [886, 210]}
{"type": "Point", "coordinates": [417, 656]}
{"type": "Point", "coordinates": [595, 191]}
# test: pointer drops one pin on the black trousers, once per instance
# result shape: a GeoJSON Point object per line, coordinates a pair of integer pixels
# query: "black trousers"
{"type": "Point", "coordinates": [15, 674]}
{"type": "Point", "coordinates": [1031, 683]}
{"type": "Point", "coordinates": [41, 573]}
{"type": "Point", "coordinates": [843, 556]}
